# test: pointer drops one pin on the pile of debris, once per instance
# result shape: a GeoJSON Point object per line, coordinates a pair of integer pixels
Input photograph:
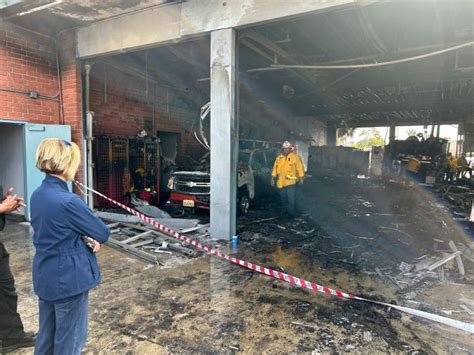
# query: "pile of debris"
{"type": "Point", "coordinates": [429, 270]}
{"type": "Point", "coordinates": [459, 199]}
{"type": "Point", "coordinates": [130, 235]}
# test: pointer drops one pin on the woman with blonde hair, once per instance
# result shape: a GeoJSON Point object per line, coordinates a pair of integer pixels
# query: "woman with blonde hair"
{"type": "Point", "coordinates": [64, 267]}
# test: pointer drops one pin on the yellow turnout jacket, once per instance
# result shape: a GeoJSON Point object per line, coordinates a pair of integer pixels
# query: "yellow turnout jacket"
{"type": "Point", "coordinates": [289, 169]}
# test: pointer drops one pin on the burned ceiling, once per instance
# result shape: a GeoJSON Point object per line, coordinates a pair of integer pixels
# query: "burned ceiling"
{"type": "Point", "coordinates": [439, 88]}
{"type": "Point", "coordinates": [52, 16]}
{"type": "Point", "coordinates": [435, 89]}
{"type": "Point", "coordinates": [95, 10]}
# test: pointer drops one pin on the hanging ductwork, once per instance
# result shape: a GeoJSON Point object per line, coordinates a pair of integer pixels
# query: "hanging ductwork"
{"type": "Point", "coordinates": [202, 138]}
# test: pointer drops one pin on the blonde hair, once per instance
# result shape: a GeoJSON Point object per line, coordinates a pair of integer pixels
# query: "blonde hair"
{"type": "Point", "coordinates": [58, 157]}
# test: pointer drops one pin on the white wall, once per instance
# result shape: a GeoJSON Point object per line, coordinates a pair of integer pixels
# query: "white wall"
{"type": "Point", "coordinates": [310, 127]}
{"type": "Point", "coordinates": [11, 158]}
{"type": "Point", "coordinates": [302, 147]}
{"type": "Point", "coordinates": [319, 133]}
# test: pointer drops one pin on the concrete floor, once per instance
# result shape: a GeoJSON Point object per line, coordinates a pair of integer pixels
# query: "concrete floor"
{"type": "Point", "coordinates": [205, 305]}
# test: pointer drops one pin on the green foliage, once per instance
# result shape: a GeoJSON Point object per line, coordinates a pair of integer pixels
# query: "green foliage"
{"type": "Point", "coordinates": [343, 140]}
{"type": "Point", "coordinates": [369, 138]}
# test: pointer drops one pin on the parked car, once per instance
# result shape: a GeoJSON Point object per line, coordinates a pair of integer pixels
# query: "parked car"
{"type": "Point", "coordinates": [192, 189]}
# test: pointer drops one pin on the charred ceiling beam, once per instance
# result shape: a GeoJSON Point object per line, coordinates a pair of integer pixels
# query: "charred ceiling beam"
{"type": "Point", "coordinates": [279, 112]}
{"type": "Point", "coordinates": [452, 93]}
{"type": "Point", "coordinates": [426, 71]}
{"type": "Point", "coordinates": [256, 49]}
{"type": "Point", "coordinates": [274, 53]}
{"type": "Point", "coordinates": [188, 58]}
{"type": "Point", "coordinates": [399, 118]}
{"type": "Point", "coordinates": [435, 103]}
{"type": "Point", "coordinates": [366, 25]}
{"type": "Point", "coordinates": [191, 18]}
{"type": "Point", "coordinates": [11, 9]}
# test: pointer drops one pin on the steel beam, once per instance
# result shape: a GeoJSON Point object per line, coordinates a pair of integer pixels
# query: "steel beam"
{"type": "Point", "coordinates": [192, 18]}
{"type": "Point", "coordinates": [420, 103]}
{"type": "Point", "coordinates": [392, 134]}
{"type": "Point", "coordinates": [224, 134]}
{"type": "Point", "coordinates": [134, 251]}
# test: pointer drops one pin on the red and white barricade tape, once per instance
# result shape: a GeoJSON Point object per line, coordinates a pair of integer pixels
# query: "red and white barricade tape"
{"type": "Point", "coordinates": [296, 281]}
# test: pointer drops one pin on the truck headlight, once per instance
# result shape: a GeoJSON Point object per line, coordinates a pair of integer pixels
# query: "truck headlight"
{"type": "Point", "coordinates": [171, 183]}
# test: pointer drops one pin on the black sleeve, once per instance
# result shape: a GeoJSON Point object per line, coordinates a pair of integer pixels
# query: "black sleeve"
{"type": "Point", "coordinates": [2, 216]}
{"type": "Point", "coordinates": [2, 221]}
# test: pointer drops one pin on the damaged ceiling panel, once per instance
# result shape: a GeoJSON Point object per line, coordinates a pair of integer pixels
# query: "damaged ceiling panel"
{"type": "Point", "coordinates": [435, 89]}
{"type": "Point", "coordinates": [95, 10]}
{"type": "Point", "coordinates": [52, 16]}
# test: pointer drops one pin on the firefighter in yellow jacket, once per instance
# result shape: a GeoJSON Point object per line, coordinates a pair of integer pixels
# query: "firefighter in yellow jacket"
{"type": "Point", "coordinates": [288, 171]}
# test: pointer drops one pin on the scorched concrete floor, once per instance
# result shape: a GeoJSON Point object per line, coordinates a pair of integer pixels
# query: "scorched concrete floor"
{"type": "Point", "coordinates": [206, 306]}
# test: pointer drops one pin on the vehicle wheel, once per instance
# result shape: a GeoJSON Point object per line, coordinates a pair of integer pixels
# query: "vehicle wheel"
{"type": "Point", "coordinates": [176, 212]}
{"type": "Point", "coordinates": [243, 203]}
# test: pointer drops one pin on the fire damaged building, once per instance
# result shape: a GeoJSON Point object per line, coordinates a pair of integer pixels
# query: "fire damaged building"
{"type": "Point", "coordinates": [291, 176]}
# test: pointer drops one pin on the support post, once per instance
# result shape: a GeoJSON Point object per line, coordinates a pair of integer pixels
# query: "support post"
{"type": "Point", "coordinates": [88, 139]}
{"type": "Point", "coordinates": [224, 134]}
{"type": "Point", "coordinates": [391, 135]}
{"type": "Point", "coordinates": [89, 163]}
{"type": "Point", "coordinates": [331, 136]}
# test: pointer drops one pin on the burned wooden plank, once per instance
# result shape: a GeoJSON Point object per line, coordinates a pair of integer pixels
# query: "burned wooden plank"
{"type": "Point", "coordinates": [458, 258]}
{"type": "Point", "coordinates": [260, 220]}
{"type": "Point", "coordinates": [468, 253]}
{"type": "Point", "coordinates": [133, 251]}
{"type": "Point", "coordinates": [443, 260]}
{"type": "Point", "coordinates": [441, 274]}
{"type": "Point", "coordinates": [467, 309]}
{"type": "Point", "coordinates": [138, 236]}
{"type": "Point", "coordinates": [194, 229]}
{"type": "Point", "coordinates": [305, 325]}
{"type": "Point", "coordinates": [142, 243]}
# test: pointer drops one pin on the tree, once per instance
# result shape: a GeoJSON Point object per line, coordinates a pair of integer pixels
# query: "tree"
{"type": "Point", "coordinates": [343, 140]}
{"type": "Point", "coordinates": [369, 138]}
{"type": "Point", "coordinates": [411, 132]}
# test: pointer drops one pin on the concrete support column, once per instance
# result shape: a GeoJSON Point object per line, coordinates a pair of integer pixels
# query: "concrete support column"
{"type": "Point", "coordinates": [468, 132]}
{"type": "Point", "coordinates": [392, 134]}
{"type": "Point", "coordinates": [224, 134]}
{"type": "Point", "coordinates": [331, 136]}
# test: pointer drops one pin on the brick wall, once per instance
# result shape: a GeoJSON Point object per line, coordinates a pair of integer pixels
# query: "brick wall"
{"type": "Point", "coordinates": [71, 90]}
{"type": "Point", "coordinates": [27, 63]}
{"type": "Point", "coordinates": [122, 105]}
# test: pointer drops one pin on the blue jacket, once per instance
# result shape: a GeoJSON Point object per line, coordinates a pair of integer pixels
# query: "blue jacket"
{"type": "Point", "coordinates": [63, 265]}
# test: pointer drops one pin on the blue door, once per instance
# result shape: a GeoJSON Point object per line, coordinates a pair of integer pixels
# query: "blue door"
{"type": "Point", "coordinates": [33, 135]}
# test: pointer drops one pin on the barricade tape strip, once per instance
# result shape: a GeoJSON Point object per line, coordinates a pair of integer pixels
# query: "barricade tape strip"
{"type": "Point", "coordinates": [295, 281]}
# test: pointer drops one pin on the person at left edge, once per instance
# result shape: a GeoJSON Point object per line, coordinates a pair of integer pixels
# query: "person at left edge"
{"type": "Point", "coordinates": [64, 267]}
{"type": "Point", "coordinates": [12, 333]}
